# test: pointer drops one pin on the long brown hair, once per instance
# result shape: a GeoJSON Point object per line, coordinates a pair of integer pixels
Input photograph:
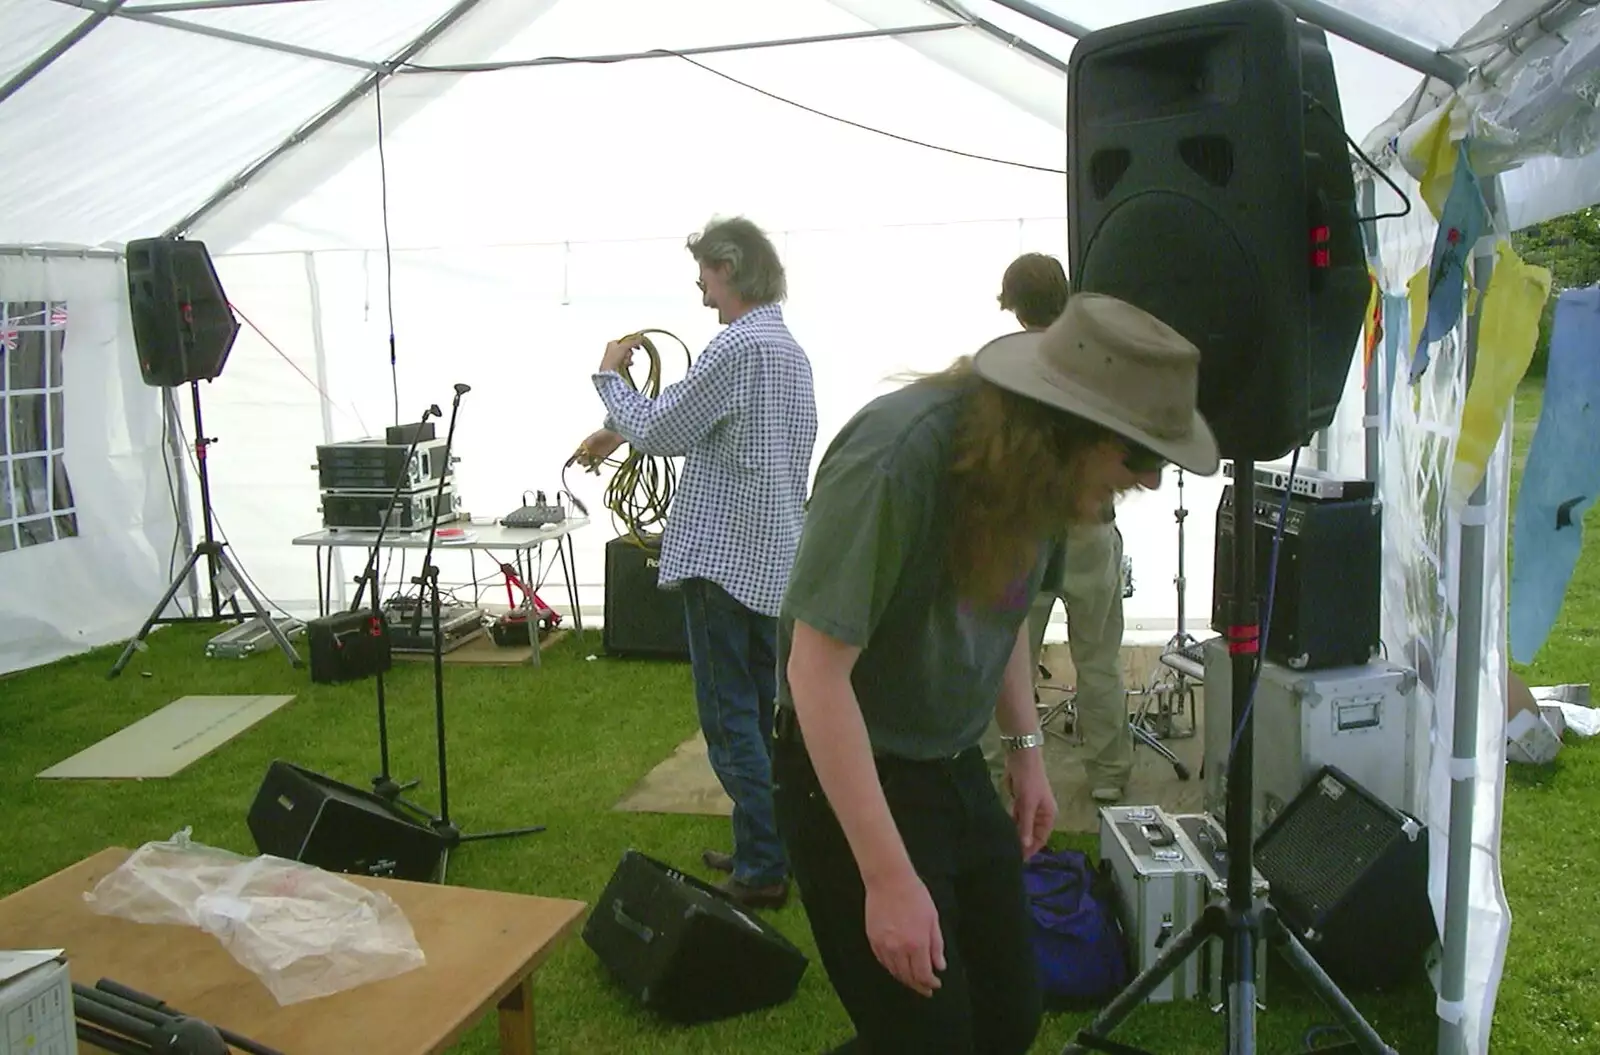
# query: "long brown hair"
{"type": "Point", "coordinates": [1014, 475]}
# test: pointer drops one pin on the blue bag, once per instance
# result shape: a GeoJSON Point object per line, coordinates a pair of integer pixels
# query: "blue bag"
{"type": "Point", "coordinates": [1077, 942]}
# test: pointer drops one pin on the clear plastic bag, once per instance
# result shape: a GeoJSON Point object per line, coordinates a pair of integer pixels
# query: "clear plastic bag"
{"type": "Point", "coordinates": [304, 932]}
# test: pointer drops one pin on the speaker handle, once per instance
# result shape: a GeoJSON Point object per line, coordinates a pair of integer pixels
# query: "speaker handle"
{"type": "Point", "coordinates": [628, 923]}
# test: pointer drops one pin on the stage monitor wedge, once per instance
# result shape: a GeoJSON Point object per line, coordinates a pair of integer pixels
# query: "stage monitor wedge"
{"type": "Point", "coordinates": [183, 327]}
{"type": "Point", "coordinates": [1210, 184]}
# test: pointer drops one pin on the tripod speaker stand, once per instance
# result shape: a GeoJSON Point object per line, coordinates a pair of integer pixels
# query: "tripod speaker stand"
{"type": "Point", "coordinates": [428, 580]}
{"type": "Point", "coordinates": [1215, 134]}
{"type": "Point", "coordinates": [183, 330]}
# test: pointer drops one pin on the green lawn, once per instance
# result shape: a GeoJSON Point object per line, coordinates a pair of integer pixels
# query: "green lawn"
{"type": "Point", "coordinates": [559, 746]}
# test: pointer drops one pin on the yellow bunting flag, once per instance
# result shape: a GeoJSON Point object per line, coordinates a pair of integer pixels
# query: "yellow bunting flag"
{"type": "Point", "coordinates": [1508, 329]}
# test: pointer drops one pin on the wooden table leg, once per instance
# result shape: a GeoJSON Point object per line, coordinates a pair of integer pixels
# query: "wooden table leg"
{"type": "Point", "coordinates": [516, 1020]}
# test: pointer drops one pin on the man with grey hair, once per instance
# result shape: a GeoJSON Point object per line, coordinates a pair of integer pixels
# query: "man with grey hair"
{"type": "Point", "coordinates": [744, 418]}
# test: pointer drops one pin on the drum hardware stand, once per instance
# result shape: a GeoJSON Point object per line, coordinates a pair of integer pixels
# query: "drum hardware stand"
{"type": "Point", "coordinates": [218, 561]}
{"type": "Point", "coordinates": [428, 580]}
{"type": "Point", "coordinates": [1170, 695]}
{"type": "Point", "coordinates": [1239, 924]}
{"type": "Point", "coordinates": [384, 785]}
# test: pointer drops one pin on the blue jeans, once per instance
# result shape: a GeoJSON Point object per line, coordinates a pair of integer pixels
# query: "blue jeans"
{"type": "Point", "coordinates": [734, 654]}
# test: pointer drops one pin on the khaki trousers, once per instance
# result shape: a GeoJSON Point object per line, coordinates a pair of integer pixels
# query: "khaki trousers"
{"type": "Point", "coordinates": [1089, 583]}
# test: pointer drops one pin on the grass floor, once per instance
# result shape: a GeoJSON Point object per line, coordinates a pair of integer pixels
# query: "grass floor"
{"type": "Point", "coordinates": [560, 745]}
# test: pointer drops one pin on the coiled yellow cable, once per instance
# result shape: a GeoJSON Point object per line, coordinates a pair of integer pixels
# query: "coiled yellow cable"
{"type": "Point", "coordinates": [640, 492]}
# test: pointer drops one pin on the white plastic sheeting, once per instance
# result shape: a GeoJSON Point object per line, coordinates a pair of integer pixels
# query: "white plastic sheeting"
{"type": "Point", "coordinates": [1422, 600]}
{"type": "Point", "coordinates": [61, 597]}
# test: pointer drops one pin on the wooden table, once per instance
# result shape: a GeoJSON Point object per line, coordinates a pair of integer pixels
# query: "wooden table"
{"type": "Point", "coordinates": [482, 948]}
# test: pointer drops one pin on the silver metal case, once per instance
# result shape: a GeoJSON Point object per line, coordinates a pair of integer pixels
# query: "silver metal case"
{"type": "Point", "coordinates": [247, 638]}
{"type": "Point", "coordinates": [1359, 719]}
{"type": "Point", "coordinates": [1158, 885]}
{"type": "Point", "coordinates": [1204, 838]}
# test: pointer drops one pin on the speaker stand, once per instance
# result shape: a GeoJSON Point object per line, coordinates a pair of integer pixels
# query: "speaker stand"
{"type": "Point", "coordinates": [1239, 924]}
{"type": "Point", "coordinates": [217, 559]}
{"type": "Point", "coordinates": [428, 580]}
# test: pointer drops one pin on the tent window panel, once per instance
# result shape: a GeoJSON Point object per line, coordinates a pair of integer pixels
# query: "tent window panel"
{"type": "Point", "coordinates": [36, 499]}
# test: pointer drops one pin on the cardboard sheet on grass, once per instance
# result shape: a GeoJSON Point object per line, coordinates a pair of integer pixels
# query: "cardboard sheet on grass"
{"type": "Point", "coordinates": [684, 782]}
{"type": "Point", "coordinates": [163, 743]}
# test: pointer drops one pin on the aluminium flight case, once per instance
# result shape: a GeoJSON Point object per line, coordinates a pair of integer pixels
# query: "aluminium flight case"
{"type": "Point", "coordinates": [1159, 883]}
{"type": "Point", "coordinates": [1206, 840]}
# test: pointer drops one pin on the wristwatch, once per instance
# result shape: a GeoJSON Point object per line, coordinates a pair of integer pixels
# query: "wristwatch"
{"type": "Point", "coordinates": [1023, 742]}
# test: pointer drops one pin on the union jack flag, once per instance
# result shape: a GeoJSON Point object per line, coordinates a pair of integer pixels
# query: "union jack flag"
{"type": "Point", "coordinates": [8, 333]}
{"type": "Point", "coordinates": [58, 314]}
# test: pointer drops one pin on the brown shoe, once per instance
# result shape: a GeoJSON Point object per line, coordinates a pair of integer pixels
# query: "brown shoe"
{"type": "Point", "coordinates": [773, 896]}
{"type": "Point", "coordinates": [717, 861]}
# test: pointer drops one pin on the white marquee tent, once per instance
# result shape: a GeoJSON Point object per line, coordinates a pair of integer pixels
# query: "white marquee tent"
{"type": "Point", "coordinates": [521, 213]}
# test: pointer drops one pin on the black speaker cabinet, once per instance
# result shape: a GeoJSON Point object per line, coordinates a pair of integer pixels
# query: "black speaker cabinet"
{"type": "Point", "coordinates": [641, 618]}
{"type": "Point", "coordinates": [1210, 184]}
{"type": "Point", "coordinates": [183, 328]}
{"type": "Point", "coordinates": [348, 646]}
{"type": "Point", "coordinates": [305, 816]}
{"type": "Point", "coordinates": [1349, 877]}
{"type": "Point", "coordinates": [684, 949]}
{"type": "Point", "coordinates": [1328, 595]}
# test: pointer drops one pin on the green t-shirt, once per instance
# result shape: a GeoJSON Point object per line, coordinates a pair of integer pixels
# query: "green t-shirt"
{"type": "Point", "coordinates": [872, 571]}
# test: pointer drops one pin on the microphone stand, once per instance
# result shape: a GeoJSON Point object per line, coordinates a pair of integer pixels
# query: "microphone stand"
{"type": "Point", "coordinates": [383, 784]}
{"type": "Point", "coordinates": [428, 580]}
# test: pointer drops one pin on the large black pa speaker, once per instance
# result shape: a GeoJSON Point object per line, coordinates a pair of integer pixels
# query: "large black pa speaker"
{"type": "Point", "coordinates": [1210, 184]}
{"type": "Point", "coordinates": [1349, 878]}
{"type": "Point", "coordinates": [183, 328]}
{"type": "Point", "coordinates": [641, 618]}
{"type": "Point", "coordinates": [684, 949]}
{"type": "Point", "coordinates": [1327, 591]}
{"type": "Point", "coordinates": [305, 816]}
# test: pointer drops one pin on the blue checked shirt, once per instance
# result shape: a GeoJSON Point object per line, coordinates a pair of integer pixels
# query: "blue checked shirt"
{"type": "Point", "coordinates": [744, 419]}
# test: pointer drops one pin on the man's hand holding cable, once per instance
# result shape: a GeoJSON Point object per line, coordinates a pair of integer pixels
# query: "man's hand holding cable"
{"type": "Point", "coordinates": [619, 354]}
{"type": "Point", "coordinates": [596, 449]}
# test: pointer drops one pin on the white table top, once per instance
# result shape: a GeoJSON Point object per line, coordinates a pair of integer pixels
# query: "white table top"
{"type": "Point", "coordinates": [486, 534]}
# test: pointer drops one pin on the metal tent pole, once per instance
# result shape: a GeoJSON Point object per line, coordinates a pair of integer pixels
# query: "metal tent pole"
{"type": "Point", "coordinates": [1470, 563]}
{"type": "Point", "coordinates": [1367, 195]}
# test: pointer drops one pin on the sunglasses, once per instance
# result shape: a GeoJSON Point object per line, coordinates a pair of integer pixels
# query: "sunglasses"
{"type": "Point", "coordinates": [1141, 460]}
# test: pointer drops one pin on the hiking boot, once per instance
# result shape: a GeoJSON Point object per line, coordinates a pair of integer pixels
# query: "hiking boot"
{"type": "Point", "coordinates": [717, 861]}
{"type": "Point", "coordinates": [775, 895]}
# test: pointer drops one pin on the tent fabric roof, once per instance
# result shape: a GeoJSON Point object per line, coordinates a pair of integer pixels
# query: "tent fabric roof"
{"type": "Point", "coordinates": [181, 99]}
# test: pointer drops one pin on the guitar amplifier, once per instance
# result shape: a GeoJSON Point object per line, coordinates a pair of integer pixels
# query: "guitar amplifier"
{"type": "Point", "coordinates": [684, 949]}
{"type": "Point", "coordinates": [304, 816]}
{"type": "Point", "coordinates": [641, 618]}
{"type": "Point", "coordinates": [348, 646]}
{"type": "Point", "coordinates": [1327, 599]}
{"type": "Point", "coordinates": [1349, 878]}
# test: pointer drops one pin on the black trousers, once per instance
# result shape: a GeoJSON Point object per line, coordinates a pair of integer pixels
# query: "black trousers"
{"type": "Point", "coordinates": [964, 846]}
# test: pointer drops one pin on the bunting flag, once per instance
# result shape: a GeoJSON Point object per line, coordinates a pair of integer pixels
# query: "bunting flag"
{"type": "Point", "coordinates": [1508, 330]}
{"type": "Point", "coordinates": [1371, 326]}
{"type": "Point", "coordinates": [1461, 224]}
{"type": "Point", "coordinates": [1561, 476]}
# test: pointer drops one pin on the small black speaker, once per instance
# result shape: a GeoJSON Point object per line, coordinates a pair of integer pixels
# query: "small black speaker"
{"type": "Point", "coordinates": [684, 949]}
{"type": "Point", "coordinates": [349, 646]}
{"type": "Point", "coordinates": [1327, 596]}
{"type": "Point", "coordinates": [1210, 184]}
{"type": "Point", "coordinates": [641, 618]}
{"type": "Point", "coordinates": [1349, 878]}
{"type": "Point", "coordinates": [183, 328]}
{"type": "Point", "coordinates": [305, 816]}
